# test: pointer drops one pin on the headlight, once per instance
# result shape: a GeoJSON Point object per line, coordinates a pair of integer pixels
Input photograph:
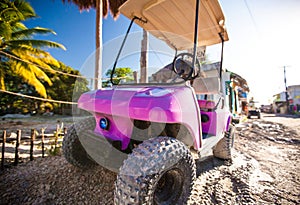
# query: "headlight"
{"type": "Point", "coordinates": [104, 123]}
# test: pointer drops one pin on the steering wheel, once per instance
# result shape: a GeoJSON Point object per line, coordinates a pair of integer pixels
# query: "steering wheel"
{"type": "Point", "coordinates": [182, 66]}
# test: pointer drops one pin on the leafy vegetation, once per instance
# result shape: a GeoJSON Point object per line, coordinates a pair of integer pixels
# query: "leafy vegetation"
{"type": "Point", "coordinates": [20, 54]}
{"type": "Point", "coordinates": [64, 88]}
{"type": "Point", "coordinates": [120, 74]}
{"type": "Point", "coordinates": [55, 146]}
{"type": "Point", "coordinates": [28, 69]}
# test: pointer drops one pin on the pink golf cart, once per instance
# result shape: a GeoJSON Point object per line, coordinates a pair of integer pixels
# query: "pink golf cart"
{"type": "Point", "coordinates": [147, 131]}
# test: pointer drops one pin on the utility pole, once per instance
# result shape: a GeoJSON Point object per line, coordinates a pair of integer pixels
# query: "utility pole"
{"type": "Point", "coordinates": [286, 91]}
{"type": "Point", "coordinates": [144, 58]}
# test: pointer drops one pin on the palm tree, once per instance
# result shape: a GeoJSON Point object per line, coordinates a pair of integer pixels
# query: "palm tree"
{"type": "Point", "coordinates": [113, 6]}
{"type": "Point", "coordinates": [19, 53]}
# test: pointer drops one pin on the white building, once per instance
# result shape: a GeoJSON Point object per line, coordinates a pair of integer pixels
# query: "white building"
{"type": "Point", "coordinates": [279, 102]}
{"type": "Point", "coordinates": [294, 94]}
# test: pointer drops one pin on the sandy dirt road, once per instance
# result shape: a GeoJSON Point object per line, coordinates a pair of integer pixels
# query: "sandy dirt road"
{"type": "Point", "coordinates": [265, 170]}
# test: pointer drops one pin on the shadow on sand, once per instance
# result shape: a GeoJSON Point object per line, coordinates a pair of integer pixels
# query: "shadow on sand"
{"type": "Point", "coordinates": [208, 163]}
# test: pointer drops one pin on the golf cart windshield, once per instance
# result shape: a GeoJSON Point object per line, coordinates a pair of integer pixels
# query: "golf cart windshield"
{"type": "Point", "coordinates": [172, 32]}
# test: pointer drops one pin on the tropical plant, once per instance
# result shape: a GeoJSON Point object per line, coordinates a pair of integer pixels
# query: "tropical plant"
{"type": "Point", "coordinates": [113, 6]}
{"type": "Point", "coordinates": [65, 88]}
{"type": "Point", "coordinates": [120, 74]}
{"type": "Point", "coordinates": [19, 52]}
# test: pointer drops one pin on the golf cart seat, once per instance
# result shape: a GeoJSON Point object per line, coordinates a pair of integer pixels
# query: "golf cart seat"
{"type": "Point", "coordinates": [206, 105]}
{"type": "Point", "coordinates": [209, 85]}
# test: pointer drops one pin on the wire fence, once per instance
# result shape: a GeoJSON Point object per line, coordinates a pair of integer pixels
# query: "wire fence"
{"type": "Point", "coordinates": [38, 98]}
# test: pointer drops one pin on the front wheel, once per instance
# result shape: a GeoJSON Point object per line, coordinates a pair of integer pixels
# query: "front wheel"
{"type": "Point", "coordinates": [72, 148]}
{"type": "Point", "coordinates": [159, 171]}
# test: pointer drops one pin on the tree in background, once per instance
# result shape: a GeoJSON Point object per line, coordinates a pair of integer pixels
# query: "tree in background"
{"type": "Point", "coordinates": [102, 7]}
{"type": "Point", "coordinates": [64, 88]}
{"type": "Point", "coordinates": [20, 54]}
{"type": "Point", "coordinates": [120, 74]}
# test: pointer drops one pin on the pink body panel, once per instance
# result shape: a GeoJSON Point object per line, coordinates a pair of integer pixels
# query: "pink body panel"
{"type": "Point", "coordinates": [219, 119]}
{"type": "Point", "coordinates": [165, 104]}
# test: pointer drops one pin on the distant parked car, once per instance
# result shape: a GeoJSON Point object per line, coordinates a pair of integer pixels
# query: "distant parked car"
{"type": "Point", "coordinates": [253, 110]}
{"type": "Point", "coordinates": [266, 108]}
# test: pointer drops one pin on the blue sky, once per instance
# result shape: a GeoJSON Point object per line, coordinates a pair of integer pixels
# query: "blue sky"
{"type": "Point", "coordinates": [263, 37]}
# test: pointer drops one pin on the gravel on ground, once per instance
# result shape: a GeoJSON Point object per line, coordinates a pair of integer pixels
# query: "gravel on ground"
{"type": "Point", "coordinates": [264, 170]}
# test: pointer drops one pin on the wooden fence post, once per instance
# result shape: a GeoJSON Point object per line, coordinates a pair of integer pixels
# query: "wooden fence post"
{"type": "Point", "coordinates": [65, 131]}
{"type": "Point", "coordinates": [18, 141]}
{"type": "Point", "coordinates": [32, 138]}
{"type": "Point", "coordinates": [56, 136]}
{"type": "Point", "coordinates": [3, 149]}
{"type": "Point", "coordinates": [43, 142]}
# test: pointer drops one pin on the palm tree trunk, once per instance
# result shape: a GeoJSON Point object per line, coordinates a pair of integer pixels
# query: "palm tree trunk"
{"type": "Point", "coordinates": [98, 57]}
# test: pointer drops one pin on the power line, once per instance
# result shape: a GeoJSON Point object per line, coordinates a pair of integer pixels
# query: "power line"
{"type": "Point", "coordinates": [38, 98]}
{"type": "Point", "coordinates": [251, 15]}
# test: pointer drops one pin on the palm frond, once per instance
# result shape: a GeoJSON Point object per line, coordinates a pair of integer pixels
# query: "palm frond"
{"type": "Point", "coordinates": [27, 49]}
{"type": "Point", "coordinates": [29, 77]}
{"type": "Point", "coordinates": [15, 11]}
{"type": "Point", "coordinates": [32, 60]}
{"type": "Point", "coordinates": [39, 60]}
{"type": "Point", "coordinates": [31, 55]}
{"type": "Point", "coordinates": [36, 43]}
{"type": "Point", "coordinates": [39, 57]}
{"type": "Point", "coordinates": [40, 74]}
{"type": "Point", "coordinates": [51, 61]}
{"type": "Point", "coordinates": [34, 68]}
{"type": "Point", "coordinates": [5, 30]}
{"type": "Point", "coordinates": [27, 33]}
{"type": "Point", "coordinates": [25, 10]}
{"type": "Point", "coordinates": [18, 26]}
{"type": "Point", "coordinates": [2, 77]}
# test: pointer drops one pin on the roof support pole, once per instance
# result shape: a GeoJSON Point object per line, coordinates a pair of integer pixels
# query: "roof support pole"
{"type": "Point", "coordinates": [196, 32]}
{"type": "Point", "coordinates": [221, 63]}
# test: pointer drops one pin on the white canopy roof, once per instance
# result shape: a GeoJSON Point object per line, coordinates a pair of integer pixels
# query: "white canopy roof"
{"type": "Point", "coordinates": [173, 21]}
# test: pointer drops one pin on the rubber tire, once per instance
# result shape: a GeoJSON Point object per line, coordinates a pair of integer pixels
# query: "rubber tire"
{"type": "Point", "coordinates": [259, 116]}
{"type": "Point", "coordinates": [223, 148]}
{"type": "Point", "coordinates": [138, 179]}
{"type": "Point", "coordinates": [73, 151]}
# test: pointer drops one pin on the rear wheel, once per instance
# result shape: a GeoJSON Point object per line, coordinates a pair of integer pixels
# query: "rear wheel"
{"type": "Point", "coordinates": [159, 171]}
{"type": "Point", "coordinates": [73, 151]}
{"type": "Point", "coordinates": [223, 148]}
